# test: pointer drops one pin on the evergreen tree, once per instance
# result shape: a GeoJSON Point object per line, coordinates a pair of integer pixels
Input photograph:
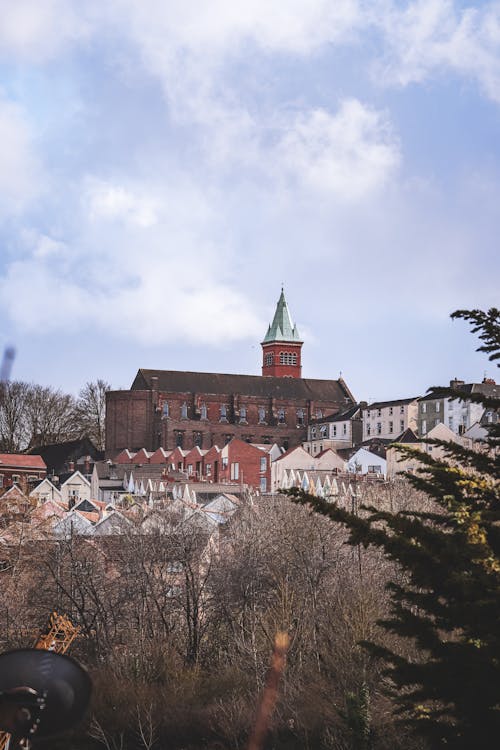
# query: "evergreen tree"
{"type": "Point", "coordinates": [449, 604]}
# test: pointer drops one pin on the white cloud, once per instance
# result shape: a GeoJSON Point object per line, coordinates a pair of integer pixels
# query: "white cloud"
{"type": "Point", "coordinates": [429, 37]}
{"type": "Point", "coordinates": [20, 174]}
{"type": "Point", "coordinates": [348, 154]}
{"type": "Point", "coordinates": [38, 30]}
{"type": "Point", "coordinates": [115, 202]}
{"type": "Point", "coordinates": [146, 281]}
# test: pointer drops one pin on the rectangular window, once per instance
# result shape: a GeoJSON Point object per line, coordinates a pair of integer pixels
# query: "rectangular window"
{"type": "Point", "coordinates": [424, 408]}
{"type": "Point", "coordinates": [401, 425]}
{"type": "Point", "coordinates": [379, 412]}
{"type": "Point", "coordinates": [263, 484]}
{"type": "Point", "coordinates": [16, 478]}
{"type": "Point", "coordinates": [344, 429]}
{"type": "Point", "coordinates": [390, 411]}
{"type": "Point", "coordinates": [379, 428]}
{"type": "Point", "coordinates": [235, 471]}
{"type": "Point", "coordinates": [334, 428]}
{"type": "Point", "coordinates": [225, 462]}
{"type": "Point", "coordinates": [374, 470]}
{"type": "Point", "coordinates": [423, 429]}
{"type": "Point", "coordinates": [208, 470]}
{"type": "Point", "coordinates": [391, 427]}
{"type": "Point", "coordinates": [263, 463]}
{"type": "Point", "coordinates": [437, 405]}
{"type": "Point", "coordinates": [368, 429]}
{"type": "Point", "coordinates": [1, 480]}
{"type": "Point", "coordinates": [401, 410]}
{"type": "Point", "coordinates": [190, 469]}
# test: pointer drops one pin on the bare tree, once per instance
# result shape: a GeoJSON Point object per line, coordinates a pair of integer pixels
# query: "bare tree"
{"type": "Point", "coordinates": [91, 411]}
{"type": "Point", "coordinates": [50, 416]}
{"type": "Point", "coordinates": [14, 397]}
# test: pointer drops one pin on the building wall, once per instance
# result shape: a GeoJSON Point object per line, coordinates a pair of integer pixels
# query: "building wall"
{"type": "Point", "coordinates": [150, 419]}
{"type": "Point", "coordinates": [389, 421]}
{"type": "Point", "coordinates": [244, 463]}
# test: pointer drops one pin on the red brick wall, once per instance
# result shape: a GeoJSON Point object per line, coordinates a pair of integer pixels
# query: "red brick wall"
{"type": "Point", "coordinates": [276, 369]}
{"type": "Point", "coordinates": [134, 420]}
{"type": "Point", "coordinates": [250, 470]}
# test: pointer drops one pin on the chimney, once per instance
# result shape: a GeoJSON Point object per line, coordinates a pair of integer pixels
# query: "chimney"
{"type": "Point", "coordinates": [456, 383]}
{"type": "Point", "coordinates": [87, 464]}
{"type": "Point", "coordinates": [71, 466]}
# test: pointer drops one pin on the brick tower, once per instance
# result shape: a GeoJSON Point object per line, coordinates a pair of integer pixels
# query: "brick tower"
{"type": "Point", "coordinates": [281, 348]}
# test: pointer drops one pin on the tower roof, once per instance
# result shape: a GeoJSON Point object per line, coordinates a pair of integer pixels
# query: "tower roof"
{"type": "Point", "coordinates": [281, 329]}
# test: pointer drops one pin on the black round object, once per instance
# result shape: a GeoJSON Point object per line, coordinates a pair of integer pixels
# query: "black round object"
{"type": "Point", "coordinates": [58, 680]}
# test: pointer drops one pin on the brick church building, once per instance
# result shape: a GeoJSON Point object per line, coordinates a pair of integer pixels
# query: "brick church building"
{"type": "Point", "coordinates": [168, 408]}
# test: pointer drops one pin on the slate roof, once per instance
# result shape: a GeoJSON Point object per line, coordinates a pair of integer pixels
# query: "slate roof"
{"type": "Point", "coordinates": [486, 389]}
{"type": "Point", "coordinates": [281, 329]}
{"type": "Point", "coordinates": [396, 402]}
{"type": "Point", "coordinates": [176, 381]}
{"type": "Point", "coordinates": [342, 416]}
{"type": "Point", "coordinates": [408, 436]}
{"type": "Point", "coordinates": [56, 455]}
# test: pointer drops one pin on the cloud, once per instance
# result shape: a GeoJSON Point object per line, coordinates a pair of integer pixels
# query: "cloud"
{"type": "Point", "coordinates": [431, 37]}
{"type": "Point", "coordinates": [151, 282]}
{"type": "Point", "coordinates": [114, 202]}
{"type": "Point", "coordinates": [38, 30]}
{"type": "Point", "coordinates": [348, 154]}
{"type": "Point", "coordinates": [20, 170]}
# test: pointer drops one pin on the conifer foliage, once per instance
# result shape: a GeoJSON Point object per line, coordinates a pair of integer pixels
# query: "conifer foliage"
{"type": "Point", "coordinates": [448, 605]}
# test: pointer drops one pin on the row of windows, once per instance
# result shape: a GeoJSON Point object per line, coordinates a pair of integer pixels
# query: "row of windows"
{"type": "Point", "coordinates": [286, 358]}
{"type": "Point", "coordinates": [223, 413]}
{"type": "Point", "coordinates": [378, 428]}
{"type": "Point", "coordinates": [423, 406]}
{"type": "Point", "coordinates": [337, 429]}
{"type": "Point", "coordinates": [378, 412]}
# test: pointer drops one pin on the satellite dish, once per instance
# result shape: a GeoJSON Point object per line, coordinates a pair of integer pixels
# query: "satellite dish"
{"type": "Point", "coordinates": [41, 693]}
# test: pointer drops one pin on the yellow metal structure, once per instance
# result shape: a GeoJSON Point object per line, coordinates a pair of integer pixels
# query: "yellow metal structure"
{"type": "Point", "coordinates": [60, 634]}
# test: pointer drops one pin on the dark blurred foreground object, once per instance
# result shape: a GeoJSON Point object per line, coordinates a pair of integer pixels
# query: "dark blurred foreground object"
{"type": "Point", "coordinates": [41, 693]}
{"type": "Point", "coordinates": [6, 366]}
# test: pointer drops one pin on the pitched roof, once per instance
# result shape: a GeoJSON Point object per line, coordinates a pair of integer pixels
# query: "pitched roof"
{"type": "Point", "coordinates": [57, 454]}
{"type": "Point", "coordinates": [341, 416]}
{"type": "Point", "coordinates": [281, 329]}
{"type": "Point", "coordinates": [175, 381]}
{"type": "Point", "coordinates": [21, 461]}
{"type": "Point", "coordinates": [408, 436]}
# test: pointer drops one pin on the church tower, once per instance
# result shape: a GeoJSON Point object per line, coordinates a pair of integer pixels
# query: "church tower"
{"type": "Point", "coordinates": [281, 348]}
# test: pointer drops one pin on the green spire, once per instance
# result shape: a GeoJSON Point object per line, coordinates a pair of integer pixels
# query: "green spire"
{"type": "Point", "coordinates": [281, 329]}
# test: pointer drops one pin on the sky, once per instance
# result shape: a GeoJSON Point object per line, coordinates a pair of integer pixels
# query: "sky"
{"type": "Point", "coordinates": [165, 166]}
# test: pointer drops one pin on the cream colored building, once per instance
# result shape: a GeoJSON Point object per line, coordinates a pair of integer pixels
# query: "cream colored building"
{"type": "Point", "coordinates": [388, 419]}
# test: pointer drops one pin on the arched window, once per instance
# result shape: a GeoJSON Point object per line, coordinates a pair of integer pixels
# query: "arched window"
{"type": "Point", "coordinates": [281, 415]}
{"type": "Point", "coordinates": [288, 358]}
{"type": "Point", "coordinates": [269, 359]}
